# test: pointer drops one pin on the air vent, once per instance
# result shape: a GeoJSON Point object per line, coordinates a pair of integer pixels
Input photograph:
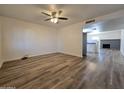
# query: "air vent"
{"type": "Point", "coordinates": [90, 21]}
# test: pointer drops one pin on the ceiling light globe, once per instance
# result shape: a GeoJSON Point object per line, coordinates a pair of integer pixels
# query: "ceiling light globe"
{"type": "Point", "coordinates": [55, 20]}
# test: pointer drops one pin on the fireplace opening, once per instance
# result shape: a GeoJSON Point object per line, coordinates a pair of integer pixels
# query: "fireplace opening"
{"type": "Point", "coordinates": [106, 45]}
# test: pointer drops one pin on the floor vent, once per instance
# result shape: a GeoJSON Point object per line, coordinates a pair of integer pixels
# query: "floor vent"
{"type": "Point", "coordinates": [24, 58]}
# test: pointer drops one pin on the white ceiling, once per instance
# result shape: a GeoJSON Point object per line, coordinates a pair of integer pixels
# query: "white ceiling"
{"type": "Point", "coordinates": [107, 25]}
{"type": "Point", "coordinates": [75, 12]}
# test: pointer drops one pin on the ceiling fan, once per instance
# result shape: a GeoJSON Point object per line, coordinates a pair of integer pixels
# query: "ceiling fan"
{"type": "Point", "coordinates": [54, 16]}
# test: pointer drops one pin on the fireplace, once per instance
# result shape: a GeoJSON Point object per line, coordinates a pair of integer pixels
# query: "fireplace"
{"type": "Point", "coordinates": [106, 45]}
{"type": "Point", "coordinates": [110, 44]}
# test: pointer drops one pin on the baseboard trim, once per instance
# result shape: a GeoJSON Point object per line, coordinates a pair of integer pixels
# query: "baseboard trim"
{"type": "Point", "coordinates": [38, 55]}
{"type": "Point", "coordinates": [19, 58]}
{"type": "Point", "coordinates": [71, 54]}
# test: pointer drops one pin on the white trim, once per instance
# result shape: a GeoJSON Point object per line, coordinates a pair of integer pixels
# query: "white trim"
{"type": "Point", "coordinates": [38, 55]}
{"type": "Point", "coordinates": [71, 54]}
{"type": "Point", "coordinates": [6, 60]}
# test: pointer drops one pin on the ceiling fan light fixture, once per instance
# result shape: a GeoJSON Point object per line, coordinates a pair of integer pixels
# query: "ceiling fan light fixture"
{"type": "Point", "coordinates": [54, 16]}
{"type": "Point", "coordinates": [54, 20]}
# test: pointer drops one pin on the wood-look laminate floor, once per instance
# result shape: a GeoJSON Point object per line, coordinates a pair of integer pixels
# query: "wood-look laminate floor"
{"type": "Point", "coordinates": [104, 70]}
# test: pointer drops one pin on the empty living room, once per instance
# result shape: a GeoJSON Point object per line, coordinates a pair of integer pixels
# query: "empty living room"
{"type": "Point", "coordinates": [62, 46]}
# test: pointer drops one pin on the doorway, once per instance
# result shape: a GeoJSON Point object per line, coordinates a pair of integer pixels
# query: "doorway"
{"type": "Point", "coordinates": [98, 36]}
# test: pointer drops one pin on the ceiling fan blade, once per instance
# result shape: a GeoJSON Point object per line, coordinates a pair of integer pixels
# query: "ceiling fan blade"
{"type": "Point", "coordinates": [45, 14]}
{"type": "Point", "coordinates": [53, 13]}
{"type": "Point", "coordinates": [60, 11]}
{"type": "Point", "coordinates": [63, 18]}
{"type": "Point", "coordinates": [47, 19]}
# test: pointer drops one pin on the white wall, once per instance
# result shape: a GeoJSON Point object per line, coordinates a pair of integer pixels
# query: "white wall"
{"type": "Point", "coordinates": [122, 42]}
{"type": "Point", "coordinates": [70, 40]}
{"type": "Point", "coordinates": [22, 38]}
{"type": "Point", "coordinates": [105, 35]}
{"type": "Point", "coordinates": [0, 44]}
